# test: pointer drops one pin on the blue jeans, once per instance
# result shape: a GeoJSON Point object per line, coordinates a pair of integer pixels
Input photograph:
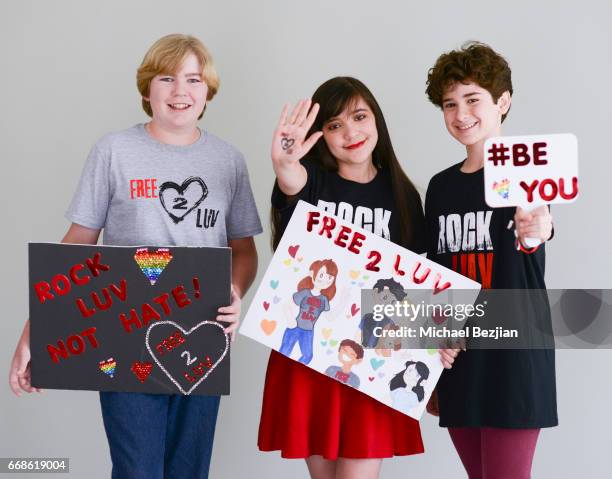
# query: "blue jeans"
{"type": "Point", "coordinates": [157, 436]}
{"type": "Point", "coordinates": [304, 337]}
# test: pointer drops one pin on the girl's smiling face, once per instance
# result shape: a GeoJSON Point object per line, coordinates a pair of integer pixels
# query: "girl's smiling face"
{"type": "Point", "coordinates": [352, 135]}
{"type": "Point", "coordinates": [322, 280]}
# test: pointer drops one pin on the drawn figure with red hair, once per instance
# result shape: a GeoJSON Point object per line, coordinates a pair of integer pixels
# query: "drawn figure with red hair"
{"type": "Point", "coordinates": [314, 293]}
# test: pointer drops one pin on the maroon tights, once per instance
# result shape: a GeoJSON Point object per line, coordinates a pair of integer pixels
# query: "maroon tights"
{"type": "Point", "coordinates": [494, 453]}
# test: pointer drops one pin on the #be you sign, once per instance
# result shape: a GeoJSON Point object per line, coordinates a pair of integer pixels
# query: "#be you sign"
{"type": "Point", "coordinates": [530, 171]}
{"type": "Point", "coordinates": [129, 318]}
{"type": "Point", "coordinates": [308, 306]}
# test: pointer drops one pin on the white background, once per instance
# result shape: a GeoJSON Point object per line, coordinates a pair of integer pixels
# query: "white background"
{"type": "Point", "coordinates": [68, 77]}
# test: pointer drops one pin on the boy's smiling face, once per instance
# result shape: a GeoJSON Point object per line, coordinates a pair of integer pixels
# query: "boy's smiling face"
{"type": "Point", "coordinates": [178, 99]}
{"type": "Point", "coordinates": [470, 114]}
{"type": "Point", "coordinates": [347, 356]}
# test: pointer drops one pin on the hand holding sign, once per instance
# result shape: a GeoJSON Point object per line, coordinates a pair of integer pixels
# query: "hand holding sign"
{"type": "Point", "coordinates": [530, 172]}
{"type": "Point", "coordinates": [231, 314]}
{"type": "Point", "coordinates": [20, 374]}
{"type": "Point", "coordinates": [536, 223]}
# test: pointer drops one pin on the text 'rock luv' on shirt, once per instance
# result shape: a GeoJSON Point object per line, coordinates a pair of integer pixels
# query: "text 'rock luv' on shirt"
{"type": "Point", "coordinates": [142, 191]}
{"type": "Point", "coordinates": [370, 206]}
{"type": "Point", "coordinates": [469, 237]}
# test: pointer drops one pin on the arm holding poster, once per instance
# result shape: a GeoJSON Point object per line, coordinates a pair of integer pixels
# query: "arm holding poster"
{"type": "Point", "coordinates": [244, 269]}
{"type": "Point", "coordinates": [20, 373]}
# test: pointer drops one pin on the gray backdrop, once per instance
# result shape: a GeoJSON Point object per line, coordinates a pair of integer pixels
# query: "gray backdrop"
{"type": "Point", "coordinates": [68, 70]}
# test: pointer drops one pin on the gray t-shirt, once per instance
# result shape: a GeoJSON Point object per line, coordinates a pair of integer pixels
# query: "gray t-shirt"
{"type": "Point", "coordinates": [142, 191]}
{"type": "Point", "coordinates": [336, 372]}
{"type": "Point", "coordinates": [311, 308]}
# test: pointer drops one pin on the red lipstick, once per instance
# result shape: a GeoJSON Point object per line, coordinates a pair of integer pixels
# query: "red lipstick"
{"type": "Point", "coordinates": [354, 146]}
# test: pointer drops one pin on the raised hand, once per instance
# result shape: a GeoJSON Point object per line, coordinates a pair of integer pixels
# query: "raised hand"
{"type": "Point", "coordinates": [289, 143]}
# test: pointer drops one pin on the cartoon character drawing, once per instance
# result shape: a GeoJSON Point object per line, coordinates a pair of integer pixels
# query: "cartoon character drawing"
{"type": "Point", "coordinates": [386, 344]}
{"type": "Point", "coordinates": [314, 293]}
{"type": "Point", "coordinates": [385, 291]}
{"type": "Point", "coordinates": [350, 354]}
{"type": "Point", "coordinates": [406, 387]}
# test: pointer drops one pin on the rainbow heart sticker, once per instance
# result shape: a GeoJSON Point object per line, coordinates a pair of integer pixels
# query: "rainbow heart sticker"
{"type": "Point", "coordinates": [108, 366]}
{"type": "Point", "coordinates": [502, 188]}
{"type": "Point", "coordinates": [152, 263]}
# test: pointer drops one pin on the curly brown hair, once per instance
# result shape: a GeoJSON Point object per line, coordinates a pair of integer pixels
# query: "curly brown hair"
{"type": "Point", "coordinates": [473, 62]}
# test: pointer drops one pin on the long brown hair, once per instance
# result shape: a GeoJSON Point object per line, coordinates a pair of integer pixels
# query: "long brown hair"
{"type": "Point", "coordinates": [334, 96]}
{"type": "Point", "coordinates": [331, 268]}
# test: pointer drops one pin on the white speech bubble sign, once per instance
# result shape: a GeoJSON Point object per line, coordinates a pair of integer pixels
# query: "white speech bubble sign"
{"type": "Point", "coordinates": [530, 171]}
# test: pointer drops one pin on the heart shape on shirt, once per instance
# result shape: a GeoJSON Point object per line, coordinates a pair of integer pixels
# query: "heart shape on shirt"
{"type": "Point", "coordinates": [180, 200]}
{"type": "Point", "coordinates": [191, 362]}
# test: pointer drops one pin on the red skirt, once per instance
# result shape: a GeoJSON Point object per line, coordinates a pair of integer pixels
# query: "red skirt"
{"type": "Point", "coordinates": [306, 413]}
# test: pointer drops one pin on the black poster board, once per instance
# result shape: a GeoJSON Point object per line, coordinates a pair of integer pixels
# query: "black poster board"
{"type": "Point", "coordinates": [129, 318]}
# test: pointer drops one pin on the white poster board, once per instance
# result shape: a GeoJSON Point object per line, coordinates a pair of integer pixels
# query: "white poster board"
{"type": "Point", "coordinates": [291, 315]}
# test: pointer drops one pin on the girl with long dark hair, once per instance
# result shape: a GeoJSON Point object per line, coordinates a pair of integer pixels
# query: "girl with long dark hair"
{"type": "Point", "coordinates": [406, 387]}
{"type": "Point", "coordinates": [334, 151]}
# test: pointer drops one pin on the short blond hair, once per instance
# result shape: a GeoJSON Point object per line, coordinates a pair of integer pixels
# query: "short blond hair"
{"type": "Point", "coordinates": [166, 56]}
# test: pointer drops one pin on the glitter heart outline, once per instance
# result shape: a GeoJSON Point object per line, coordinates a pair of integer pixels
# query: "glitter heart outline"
{"type": "Point", "coordinates": [186, 333]}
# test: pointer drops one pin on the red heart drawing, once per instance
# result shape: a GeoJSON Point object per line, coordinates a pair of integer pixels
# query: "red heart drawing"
{"type": "Point", "coordinates": [354, 309]}
{"type": "Point", "coordinates": [186, 364]}
{"type": "Point", "coordinates": [293, 250]}
{"type": "Point", "coordinates": [266, 305]}
{"type": "Point", "coordinates": [142, 370]}
{"type": "Point", "coordinates": [371, 378]}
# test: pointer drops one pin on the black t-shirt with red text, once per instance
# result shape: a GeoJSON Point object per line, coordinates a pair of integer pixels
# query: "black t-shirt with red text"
{"type": "Point", "coordinates": [488, 388]}
{"type": "Point", "coordinates": [368, 205]}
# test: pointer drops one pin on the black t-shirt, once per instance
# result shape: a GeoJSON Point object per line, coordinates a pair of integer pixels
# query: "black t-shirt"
{"type": "Point", "coordinates": [368, 205]}
{"type": "Point", "coordinates": [488, 388]}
